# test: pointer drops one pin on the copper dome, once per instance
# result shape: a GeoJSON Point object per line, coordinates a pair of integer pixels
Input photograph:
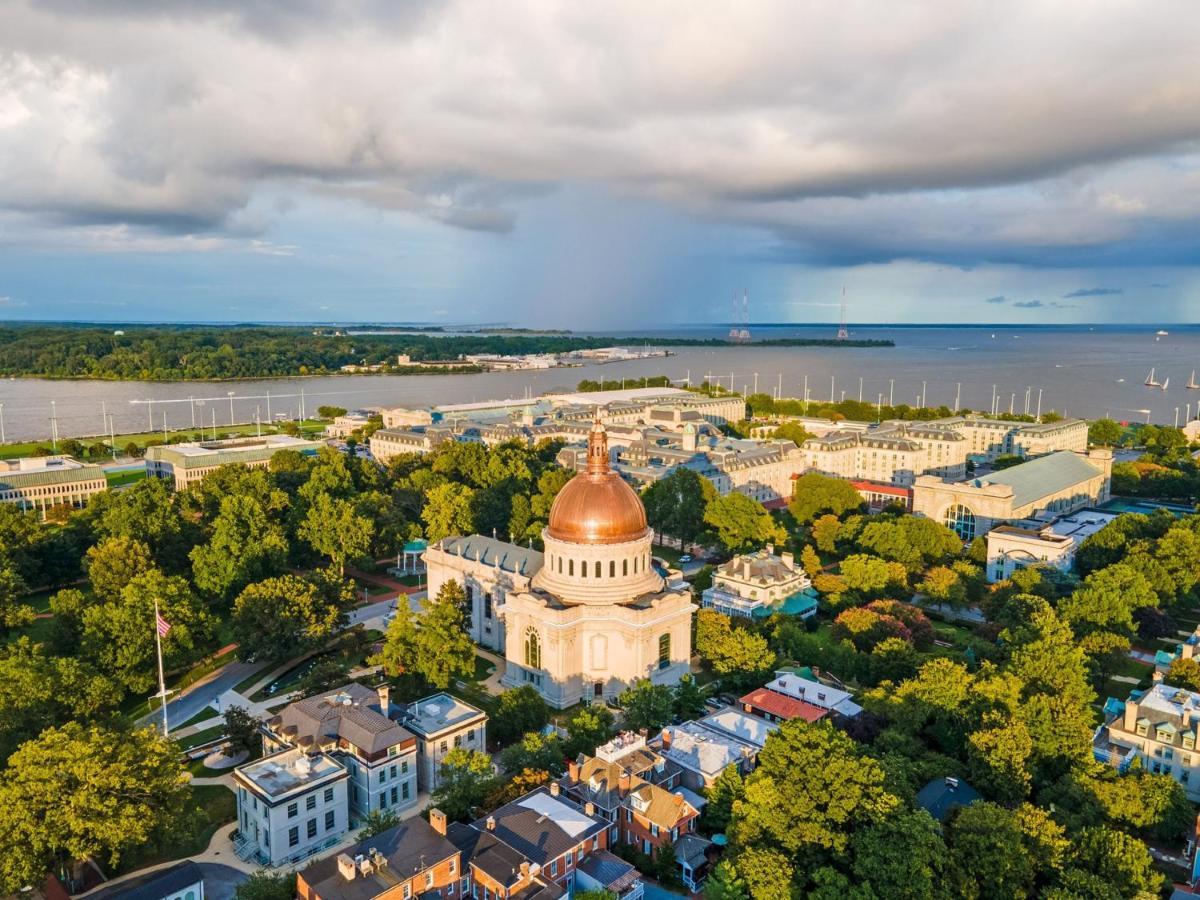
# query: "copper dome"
{"type": "Point", "coordinates": [597, 506]}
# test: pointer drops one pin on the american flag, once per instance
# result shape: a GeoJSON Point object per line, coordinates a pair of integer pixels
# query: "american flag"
{"type": "Point", "coordinates": [163, 625]}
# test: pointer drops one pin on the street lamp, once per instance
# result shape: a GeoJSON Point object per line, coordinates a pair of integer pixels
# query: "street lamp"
{"type": "Point", "coordinates": [230, 407]}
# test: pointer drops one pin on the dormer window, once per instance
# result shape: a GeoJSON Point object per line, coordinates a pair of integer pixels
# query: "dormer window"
{"type": "Point", "coordinates": [594, 783]}
{"type": "Point", "coordinates": [1142, 728]}
{"type": "Point", "coordinates": [639, 803]}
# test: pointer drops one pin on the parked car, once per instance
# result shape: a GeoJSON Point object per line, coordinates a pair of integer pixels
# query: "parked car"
{"type": "Point", "coordinates": [685, 558]}
{"type": "Point", "coordinates": [713, 703]}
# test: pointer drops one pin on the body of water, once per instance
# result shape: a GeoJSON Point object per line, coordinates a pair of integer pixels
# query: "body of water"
{"type": "Point", "coordinates": [1079, 370]}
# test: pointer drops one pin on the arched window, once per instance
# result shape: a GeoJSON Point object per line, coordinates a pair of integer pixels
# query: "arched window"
{"type": "Point", "coordinates": [625, 567]}
{"type": "Point", "coordinates": [533, 649]}
{"type": "Point", "coordinates": [583, 568]}
{"type": "Point", "coordinates": [664, 650]}
{"type": "Point", "coordinates": [560, 565]}
{"type": "Point", "coordinates": [597, 568]}
{"type": "Point", "coordinates": [961, 520]}
{"type": "Point", "coordinates": [570, 567]}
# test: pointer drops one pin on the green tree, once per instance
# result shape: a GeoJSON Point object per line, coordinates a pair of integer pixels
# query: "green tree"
{"type": "Point", "coordinates": [113, 563]}
{"type": "Point", "coordinates": [466, 779]}
{"type": "Point", "coordinates": [518, 711]}
{"type": "Point", "coordinates": [825, 531]}
{"type": "Point", "coordinates": [865, 574]}
{"type": "Point", "coordinates": [13, 613]}
{"type": "Point", "coordinates": [432, 646]}
{"type": "Point", "coordinates": [810, 562]}
{"type": "Point", "coordinates": [688, 702]}
{"type": "Point", "coordinates": [1104, 431]}
{"type": "Point", "coordinates": [814, 494]}
{"type": "Point", "coordinates": [942, 584]}
{"type": "Point", "coordinates": [1106, 600]}
{"type": "Point", "coordinates": [242, 730]}
{"type": "Point", "coordinates": [812, 789]}
{"type": "Point", "coordinates": [279, 617]}
{"type": "Point", "coordinates": [245, 547]}
{"type": "Point", "coordinates": [589, 727]}
{"type": "Point", "coordinates": [119, 635]}
{"type": "Point", "coordinates": [1184, 673]}
{"type": "Point", "coordinates": [333, 528]}
{"type": "Point", "coordinates": [535, 751]}
{"type": "Point", "coordinates": [768, 873]}
{"type": "Point", "coordinates": [150, 513]}
{"type": "Point", "coordinates": [330, 412]}
{"type": "Point", "coordinates": [792, 431]}
{"type": "Point", "coordinates": [902, 856]}
{"type": "Point", "coordinates": [724, 883]}
{"type": "Point", "coordinates": [729, 649]}
{"type": "Point", "coordinates": [676, 505]}
{"type": "Point", "coordinates": [741, 523]}
{"type": "Point", "coordinates": [448, 511]}
{"type": "Point", "coordinates": [264, 885]}
{"type": "Point", "coordinates": [76, 792]}
{"type": "Point", "coordinates": [1121, 861]}
{"type": "Point", "coordinates": [646, 705]}
{"type": "Point", "coordinates": [998, 757]}
{"type": "Point", "coordinates": [915, 542]}
{"type": "Point", "coordinates": [378, 821]}
{"type": "Point", "coordinates": [996, 852]}
{"type": "Point", "coordinates": [727, 789]}
{"type": "Point", "coordinates": [38, 691]}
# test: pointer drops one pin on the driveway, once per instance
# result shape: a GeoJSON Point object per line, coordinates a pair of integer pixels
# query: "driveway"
{"type": "Point", "coordinates": [203, 693]}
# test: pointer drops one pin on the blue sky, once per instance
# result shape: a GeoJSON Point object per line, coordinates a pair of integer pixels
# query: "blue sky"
{"type": "Point", "coordinates": [619, 166]}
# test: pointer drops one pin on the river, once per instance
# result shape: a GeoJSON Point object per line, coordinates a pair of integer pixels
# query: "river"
{"type": "Point", "coordinates": [1079, 370]}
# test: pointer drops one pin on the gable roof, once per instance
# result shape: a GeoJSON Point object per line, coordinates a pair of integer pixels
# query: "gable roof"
{"type": "Point", "coordinates": [661, 807]}
{"type": "Point", "coordinates": [484, 850]}
{"type": "Point", "coordinates": [943, 795]}
{"type": "Point", "coordinates": [156, 885]}
{"type": "Point", "coordinates": [410, 848]}
{"type": "Point", "coordinates": [489, 551]}
{"type": "Point", "coordinates": [541, 827]}
{"type": "Point", "coordinates": [783, 706]}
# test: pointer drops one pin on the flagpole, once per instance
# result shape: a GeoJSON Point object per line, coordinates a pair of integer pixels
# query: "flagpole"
{"type": "Point", "coordinates": [162, 684]}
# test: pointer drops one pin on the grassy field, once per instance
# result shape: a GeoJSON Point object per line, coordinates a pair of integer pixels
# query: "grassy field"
{"type": "Point", "coordinates": [202, 737]}
{"type": "Point", "coordinates": [212, 807]}
{"type": "Point", "coordinates": [203, 716]}
{"type": "Point", "coordinates": [120, 479]}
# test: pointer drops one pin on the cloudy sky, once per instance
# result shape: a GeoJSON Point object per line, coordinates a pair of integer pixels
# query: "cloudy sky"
{"type": "Point", "coordinates": [613, 164]}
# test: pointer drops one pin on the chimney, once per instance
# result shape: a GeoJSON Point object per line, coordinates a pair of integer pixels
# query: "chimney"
{"type": "Point", "coordinates": [1157, 677]}
{"type": "Point", "coordinates": [1131, 711]}
{"type": "Point", "coordinates": [573, 772]}
{"type": "Point", "coordinates": [491, 823]}
{"type": "Point", "coordinates": [770, 549]}
{"type": "Point", "coordinates": [666, 738]}
{"type": "Point", "coordinates": [346, 867]}
{"type": "Point", "coordinates": [385, 697]}
{"type": "Point", "coordinates": [624, 781]}
{"type": "Point", "coordinates": [524, 870]}
{"type": "Point", "coordinates": [554, 789]}
{"type": "Point", "coordinates": [589, 808]}
{"type": "Point", "coordinates": [789, 559]}
{"type": "Point", "coordinates": [437, 819]}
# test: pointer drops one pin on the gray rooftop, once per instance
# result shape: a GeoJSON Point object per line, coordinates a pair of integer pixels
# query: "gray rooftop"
{"type": "Point", "coordinates": [351, 712]}
{"type": "Point", "coordinates": [489, 551]}
{"type": "Point", "coordinates": [542, 827]}
{"type": "Point", "coordinates": [435, 714]}
{"type": "Point", "coordinates": [290, 770]}
{"type": "Point", "coordinates": [1043, 476]}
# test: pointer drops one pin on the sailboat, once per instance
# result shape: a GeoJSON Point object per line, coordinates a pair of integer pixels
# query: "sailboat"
{"type": "Point", "coordinates": [1151, 381]}
{"type": "Point", "coordinates": [1166, 381]}
{"type": "Point", "coordinates": [1192, 385]}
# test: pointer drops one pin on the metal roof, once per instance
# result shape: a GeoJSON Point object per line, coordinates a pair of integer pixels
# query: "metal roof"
{"type": "Point", "coordinates": [1043, 476]}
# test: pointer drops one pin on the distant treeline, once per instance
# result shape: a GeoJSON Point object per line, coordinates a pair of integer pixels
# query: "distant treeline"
{"type": "Point", "coordinates": [590, 386]}
{"type": "Point", "coordinates": [171, 353]}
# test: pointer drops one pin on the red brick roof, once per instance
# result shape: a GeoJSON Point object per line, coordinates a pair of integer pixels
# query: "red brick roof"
{"type": "Point", "coordinates": [782, 706]}
{"type": "Point", "coordinates": [881, 488]}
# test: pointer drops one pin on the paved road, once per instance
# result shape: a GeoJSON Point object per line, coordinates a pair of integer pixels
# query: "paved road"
{"type": "Point", "coordinates": [203, 693]}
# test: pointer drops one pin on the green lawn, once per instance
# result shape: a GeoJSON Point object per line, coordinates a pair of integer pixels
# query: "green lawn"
{"type": "Point", "coordinates": [201, 737]}
{"type": "Point", "coordinates": [212, 807]}
{"type": "Point", "coordinates": [483, 668]}
{"type": "Point", "coordinates": [120, 479]}
{"type": "Point", "coordinates": [39, 631]}
{"type": "Point", "coordinates": [39, 600]}
{"type": "Point", "coordinates": [203, 716]}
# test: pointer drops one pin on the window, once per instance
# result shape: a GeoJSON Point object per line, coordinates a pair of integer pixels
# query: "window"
{"type": "Point", "coordinates": [391, 771]}
{"type": "Point", "coordinates": [404, 767]}
{"type": "Point", "coordinates": [961, 520]}
{"type": "Point", "coordinates": [330, 820]}
{"type": "Point", "coordinates": [293, 810]}
{"type": "Point", "coordinates": [554, 869]}
{"type": "Point", "coordinates": [407, 891]}
{"type": "Point", "coordinates": [404, 791]}
{"type": "Point", "coordinates": [664, 650]}
{"type": "Point", "coordinates": [328, 795]}
{"type": "Point", "coordinates": [393, 796]}
{"type": "Point", "coordinates": [624, 567]}
{"type": "Point", "coordinates": [310, 802]}
{"type": "Point", "coordinates": [382, 775]}
{"type": "Point", "coordinates": [1142, 728]}
{"type": "Point", "coordinates": [597, 568]}
{"type": "Point", "coordinates": [533, 649]}
{"type": "Point", "coordinates": [487, 605]}
{"type": "Point", "coordinates": [311, 828]}
{"type": "Point", "coordinates": [458, 740]}
{"type": "Point", "coordinates": [653, 830]}
{"type": "Point", "coordinates": [570, 567]}
{"type": "Point", "coordinates": [442, 747]}
{"type": "Point", "coordinates": [428, 879]}
{"type": "Point", "coordinates": [451, 868]}
{"type": "Point", "coordinates": [383, 800]}
{"type": "Point", "coordinates": [293, 836]}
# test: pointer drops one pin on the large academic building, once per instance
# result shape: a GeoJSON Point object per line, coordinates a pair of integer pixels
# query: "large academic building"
{"type": "Point", "coordinates": [589, 615]}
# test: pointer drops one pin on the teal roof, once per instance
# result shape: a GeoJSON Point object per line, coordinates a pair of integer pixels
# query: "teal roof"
{"type": "Point", "coordinates": [797, 604]}
{"type": "Point", "coordinates": [420, 545]}
{"type": "Point", "coordinates": [1043, 476]}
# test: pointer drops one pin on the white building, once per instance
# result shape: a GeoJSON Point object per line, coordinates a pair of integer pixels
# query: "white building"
{"type": "Point", "coordinates": [1159, 728]}
{"type": "Point", "coordinates": [755, 585]}
{"type": "Point", "coordinates": [185, 464]}
{"type": "Point", "coordinates": [443, 723]}
{"type": "Point", "coordinates": [358, 727]}
{"type": "Point", "coordinates": [1034, 543]}
{"type": "Point", "coordinates": [988, 439]}
{"type": "Point", "coordinates": [291, 804]}
{"type": "Point", "coordinates": [832, 699]}
{"type": "Point", "coordinates": [44, 482]}
{"type": "Point", "coordinates": [596, 615]}
{"type": "Point", "coordinates": [895, 453]}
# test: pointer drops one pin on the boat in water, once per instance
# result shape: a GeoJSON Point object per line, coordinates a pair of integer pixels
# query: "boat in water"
{"type": "Point", "coordinates": [1151, 381]}
{"type": "Point", "coordinates": [1162, 333]}
{"type": "Point", "coordinates": [1192, 385]}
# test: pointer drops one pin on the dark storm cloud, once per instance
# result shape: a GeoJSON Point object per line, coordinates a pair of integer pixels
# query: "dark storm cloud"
{"type": "Point", "coordinates": [891, 138]}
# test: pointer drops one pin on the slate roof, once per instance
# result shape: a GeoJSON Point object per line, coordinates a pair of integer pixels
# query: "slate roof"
{"type": "Point", "coordinates": [942, 795]}
{"type": "Point", "coordinates": [691, 849]}
{"type": "Point", "coordinates": [538, 835]}
{"type": "Point", "coordinates": [410, 848]}
{"type": "Point", "coordinates": [489, 853]}
{"type": "Point", "coordinates": [509, 557]}
{"type": "Point", "coordinates": [350, 712]}
{"type": "Point", "coordinates": [1030, 481]}
{"type": "Point", "coordinates": [610, 870]}
{"type": "Point", "coordinates": [156, 885]}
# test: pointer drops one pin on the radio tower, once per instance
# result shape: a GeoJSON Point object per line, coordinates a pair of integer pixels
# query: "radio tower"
{"type": "Point", "coordinates": [843, 331]}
